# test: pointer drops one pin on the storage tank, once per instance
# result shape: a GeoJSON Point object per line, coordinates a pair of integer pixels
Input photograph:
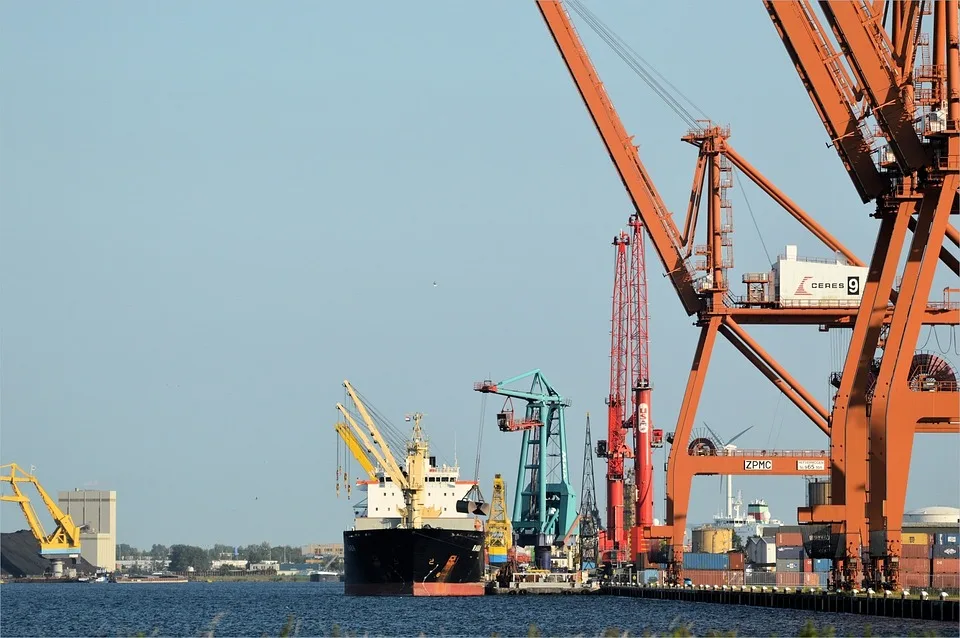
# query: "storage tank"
{"type": "Point", "coordinates": [712, 540]}
{"type": "Point", "coordinates": [818, 492]}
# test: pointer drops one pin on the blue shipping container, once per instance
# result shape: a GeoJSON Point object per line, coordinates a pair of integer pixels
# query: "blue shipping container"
{"type": "Point", "coordinates": [789, 551]}
{"type": "Point", "coordinates": [822, 564]}
{"type": "Point", "coordinates": [946, 551]}
{"type": "Point", "coordinates": [947, 539]}
{"type": "Point", "coordinates": [705, 561]}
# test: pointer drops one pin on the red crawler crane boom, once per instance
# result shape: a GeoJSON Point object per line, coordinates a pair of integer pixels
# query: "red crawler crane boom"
{"type": "Point", "coordinates": [644, 436]}
{"type": "Point", "coordinates": [615, 448]}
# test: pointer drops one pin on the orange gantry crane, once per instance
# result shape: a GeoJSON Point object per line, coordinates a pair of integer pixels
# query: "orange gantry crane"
{"type": "Point", "coordinates": [915, 104]}
{"type": "Point", "coordinates": [861, 446]}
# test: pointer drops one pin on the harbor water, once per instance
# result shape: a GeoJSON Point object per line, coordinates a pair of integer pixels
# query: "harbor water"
{"type": "Point", "coordinates": [320, 609]}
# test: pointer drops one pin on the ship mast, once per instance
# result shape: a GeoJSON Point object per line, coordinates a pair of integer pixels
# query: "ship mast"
{"type": "Point", "coordinates": [417, 448]}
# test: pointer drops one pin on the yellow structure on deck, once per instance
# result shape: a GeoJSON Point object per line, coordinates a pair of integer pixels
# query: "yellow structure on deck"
{"type": "Point", "coordinates": [64, 542]}
{"type": "Point", "coordinates": [499, 537]}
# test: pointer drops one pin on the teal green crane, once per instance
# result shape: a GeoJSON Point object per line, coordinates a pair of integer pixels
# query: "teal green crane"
{"type": "Point", "coordinates": [545, 506]}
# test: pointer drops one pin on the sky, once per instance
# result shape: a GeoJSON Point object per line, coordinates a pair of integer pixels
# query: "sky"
{"type": "Point", "coordinates": [213, 213]}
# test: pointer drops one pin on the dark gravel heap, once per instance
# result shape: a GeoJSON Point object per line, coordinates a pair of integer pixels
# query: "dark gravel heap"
{"type": "Point", "coordinates": [20, 557]}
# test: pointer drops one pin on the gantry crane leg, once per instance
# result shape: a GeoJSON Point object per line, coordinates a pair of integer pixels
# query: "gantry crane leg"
{"type": "Point", "coordinates": [896, 407]}
{"type": "Point", "coordinates": [679, 467]}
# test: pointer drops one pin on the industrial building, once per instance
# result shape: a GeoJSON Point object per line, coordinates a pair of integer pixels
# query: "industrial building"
{"type": "Point", "coordinates": [95, 511]}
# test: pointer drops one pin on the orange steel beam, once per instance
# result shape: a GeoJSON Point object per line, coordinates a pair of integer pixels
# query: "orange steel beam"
{"type": "Point", "coordinates": [905, 34]}
{"type": "Point", "coordinates": [830, 88]}
{"type": "Point", "coordinates": [945, 255]}
{"type": "Point", "coordinates": [788, 205]}
{"type": "Point", "coordinates": [848, 436]}
{"type": "Point", "coordinates": [679, 464]}
{"type": "Point", "coordinates": [761, 462]}
{"type": "Point", "coordinates": [893, 416]}
{"type": "Point", "coordinates": [786, 378]}
{"type": "Point", "coordinates": [865, 44]}
{"type": "Point", "coordinates": [693, 207]}
{"type": "Point", "coordinates": [776, 374]}
{"type": "Point", "coordinates": [939, 93]}
{"type": "Point", "coordinates": [650, 207]}
{"type": "Point", "coordinates": [935, 313]}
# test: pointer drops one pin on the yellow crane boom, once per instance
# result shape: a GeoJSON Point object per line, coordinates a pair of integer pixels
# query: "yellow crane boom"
{"type": "Point", "coordinates": [355, 448]}
{"type": "Point", "coordinates": [65, 539]}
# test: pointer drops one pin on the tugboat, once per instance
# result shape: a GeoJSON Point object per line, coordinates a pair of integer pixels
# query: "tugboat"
{"type": "Point", "coordinates": [413, 536]}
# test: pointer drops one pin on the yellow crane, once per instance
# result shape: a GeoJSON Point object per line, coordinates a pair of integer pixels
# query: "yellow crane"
{"type": "Point", "coordinates": [64, 542]}
{"type": "Point", "coordinates": [356, 448]}
{"type": "Point", "coordinates": [411, 482]}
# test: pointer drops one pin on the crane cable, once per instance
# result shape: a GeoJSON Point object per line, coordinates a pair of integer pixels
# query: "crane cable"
{"type": "Point", "coordinates": [476, 466]}
{"type": "Point", "coordinates": [637, 63]}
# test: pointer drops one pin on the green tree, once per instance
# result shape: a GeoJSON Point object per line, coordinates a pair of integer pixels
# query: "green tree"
{"type": "Point", "coordinates": [125, 552]}
{"type": "Point", "coordinates": [737, 542]}
{"type": "Point", "coordinates": [184, 556]}
{"type": "Point", "coordinates": [220, 551]}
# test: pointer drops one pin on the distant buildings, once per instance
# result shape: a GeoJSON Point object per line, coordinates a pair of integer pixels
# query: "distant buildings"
{"type": "Point", "coordinates": [97, 510]}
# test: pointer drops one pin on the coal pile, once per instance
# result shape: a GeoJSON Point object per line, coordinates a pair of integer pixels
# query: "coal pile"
{"type": "Point", "coordinates": [20, 557]}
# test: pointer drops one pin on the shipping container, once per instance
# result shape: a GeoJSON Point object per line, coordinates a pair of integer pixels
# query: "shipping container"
{"type": "Point", "coordinates": [735, 577]}
{"type": "Point", "coordinates": [948, 538]}
{"type": "Point", "coordinates": [735, 560]}
{"type": "Point", "coordinates": [693, 560]}
{"type": "Point", "coordinates": [909, 579]}
{"type": "Point", "coordinates": [810, 282]}
{"type": "Point", "coordinates": [822, 564]}
{"type": "Point", "coordinates": [760, 578]}
{"type": "Point", "coordinates": [789, 538]}
{"type": "Point", "coordinates": [789, 565]}
{"type": "Point", "coordinates": [789, 551]}
{"type": "Point", "coordinates": [806, 565]}
{"type": "Point", "coordinates": [915, 565]}
{"type": "Point", "coordinates": [797, 579]}
{"type": "Point", "coordinates": [946, 581]}
{"type": "Point", "coordinates": [946, 566]}
{"type": "Point", "coordinates": [714, 577]}
{"type": "Point", "coordinates": [946, 551]}
{"type": "Point", "coordinates": [915, 551]}
{"type": "Point", "coordinates": [915, 539]}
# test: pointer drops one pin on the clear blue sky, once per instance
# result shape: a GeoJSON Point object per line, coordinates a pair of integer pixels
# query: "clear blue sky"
{"type": "Point", "coordinates": [214, 212]}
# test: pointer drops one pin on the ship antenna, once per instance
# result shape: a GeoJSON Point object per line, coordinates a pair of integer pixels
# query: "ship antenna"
{"type": "Point", "coordinates": [456, 463]}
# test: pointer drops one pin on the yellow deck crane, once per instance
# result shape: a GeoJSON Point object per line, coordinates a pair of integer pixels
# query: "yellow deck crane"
{"type": "Point", "coordinates": [357, 449]}
{"type": "Point", "coordinates": [64, 542]}
{"type": "Point", "coordinates": [411, 482]}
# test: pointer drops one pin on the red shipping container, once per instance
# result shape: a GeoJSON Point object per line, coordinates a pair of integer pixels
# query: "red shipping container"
{"type": "Point", "coordinates": [946, 565]}
{"type": "Point", "coordinates": [915, 551]}
{"type": "Point", "coordinates": [908, 579]}
{"type": "Point", "coordinates": [736, 560]}
{"type": "Point", "coordinates": [806, 565]}
{"type": "Point", "coordinates": [811, 579]}
{"type": "Point", "coordinates": [946, 581]}
{"type": "Point", "coordinates": [915, 565]}
{"type": "Point", "coordinates": [713, 577]}
{"type": "Point", "coordinates": [735, 578]}
{"type": "Point", "coordinates": [789, 579]}
{"type": "Point", "coordinates": [789, 538]}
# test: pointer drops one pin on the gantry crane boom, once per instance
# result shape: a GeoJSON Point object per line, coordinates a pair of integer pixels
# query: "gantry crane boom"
{"type": "Point", "coordinates": [831, 90]}
{"type": "Point", "coordinates": [656, 217]}
{"type": "Point", "coordinates": [867, 47]}
{"type": "Point", "coordinates": [355, 448]}
{"type": "Point", "coordinates": [65, 539]}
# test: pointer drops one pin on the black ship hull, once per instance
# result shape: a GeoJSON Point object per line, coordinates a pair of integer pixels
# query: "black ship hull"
{"type": "Point", "coordinates": [413, 562]}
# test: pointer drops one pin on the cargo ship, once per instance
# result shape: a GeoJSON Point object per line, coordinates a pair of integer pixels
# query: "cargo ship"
{"type": "Point", "coordinates": [414, 534]}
